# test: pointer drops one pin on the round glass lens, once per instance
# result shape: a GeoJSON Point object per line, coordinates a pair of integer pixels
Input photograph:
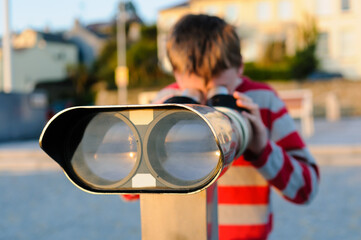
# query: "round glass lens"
{"type": "Point", "coordinates": [107, 152]}
{"type": "Point", "coordinates": [183, 148]}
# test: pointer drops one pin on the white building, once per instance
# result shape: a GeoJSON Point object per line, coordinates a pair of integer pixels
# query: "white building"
{"type": "Point", "coordinates": [89, 42]}
{"type": "Point", "coordinates": [340, 32]}
{"type": "Point", "coordinates": [263, 22]}
{"type": "Point", "coordinates": [38, 57]}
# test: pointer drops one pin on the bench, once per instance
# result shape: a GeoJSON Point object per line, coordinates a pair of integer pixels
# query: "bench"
{"type": "Point", "coordinates": [300, 106]}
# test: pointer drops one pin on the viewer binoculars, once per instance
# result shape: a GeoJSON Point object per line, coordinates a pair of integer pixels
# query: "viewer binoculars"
{"type": "Point", "coordinates": [156, 148]}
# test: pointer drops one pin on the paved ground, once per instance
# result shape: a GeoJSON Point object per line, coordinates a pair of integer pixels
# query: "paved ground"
{"type": "Point", "coordinates": [335, 213]}
{"type": "Point", "coordinates": [45, 205]}
{"type": "Point", "coordinates": [38, 202]}
{"type": "Point", "coordinates": [346, 132]}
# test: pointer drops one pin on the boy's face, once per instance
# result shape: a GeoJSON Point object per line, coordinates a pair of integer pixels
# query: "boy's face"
{"type": "Point", "coordinates": [229, 78]}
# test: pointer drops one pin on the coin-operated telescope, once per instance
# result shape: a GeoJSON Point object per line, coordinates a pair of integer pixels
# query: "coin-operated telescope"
{"type": "Point", "coordinates": [156, 151]}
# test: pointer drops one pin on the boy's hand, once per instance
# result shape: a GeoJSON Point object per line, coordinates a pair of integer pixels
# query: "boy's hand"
{"type": "Point", "coordinates": [259, 132]}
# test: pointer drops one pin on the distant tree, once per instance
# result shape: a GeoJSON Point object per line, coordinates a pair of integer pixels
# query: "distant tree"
{"type": "Point", "coordinates": [305, 61]}
{"type": "Point", "coordinates": [104, 66]}
{"type": "Point", "coordinates": [142, 61]}
{"type": "Point", "coordinates": [82, 81]}
{"type": "Point", "coordinates": [275, 52]}
{"type": "Point", "coordinates": [131, 10]}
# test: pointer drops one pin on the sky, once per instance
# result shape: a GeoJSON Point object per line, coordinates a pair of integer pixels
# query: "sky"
{"type": "Point", "coordinates": [59, 15]}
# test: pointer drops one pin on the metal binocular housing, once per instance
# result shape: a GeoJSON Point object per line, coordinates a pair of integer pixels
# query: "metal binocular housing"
{"type": "Point", "coordinates": [165, 148]}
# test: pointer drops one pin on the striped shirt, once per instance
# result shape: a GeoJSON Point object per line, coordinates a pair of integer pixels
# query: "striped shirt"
{"type": "Point", "coordinates": [286, 165]}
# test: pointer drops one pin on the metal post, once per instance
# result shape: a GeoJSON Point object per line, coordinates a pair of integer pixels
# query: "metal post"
{"type": "Point", "coordinates": [192, 216]}
{"type": "Point", "coordinates": [7, 61]}
{"type": "Point", "coordinates": [121, 72]}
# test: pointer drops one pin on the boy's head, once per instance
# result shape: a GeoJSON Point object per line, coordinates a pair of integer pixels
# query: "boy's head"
{"type": "Point", "coordinates": [203, 45]}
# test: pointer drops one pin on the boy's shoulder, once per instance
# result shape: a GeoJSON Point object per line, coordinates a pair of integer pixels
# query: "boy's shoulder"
{"type": "Point", "coordinates": [251, 85]}
{"type": "Point", "coordinates": [172, 86]}
{"type": "Point", "coordinates": [166, 92]}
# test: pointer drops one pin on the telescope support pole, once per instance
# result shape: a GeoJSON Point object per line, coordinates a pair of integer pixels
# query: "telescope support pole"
{"type": "Point", "coordinates": [171, 216]}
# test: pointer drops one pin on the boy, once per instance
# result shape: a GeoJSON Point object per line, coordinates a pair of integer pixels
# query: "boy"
{"type": "Point", "coordinates": [205, 54]}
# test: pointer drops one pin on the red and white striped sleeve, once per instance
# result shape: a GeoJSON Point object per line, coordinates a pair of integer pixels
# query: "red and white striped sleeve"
{"type": "Point", "coordinates": [286, 162]}
{"type": "Point", "coordinates": [166, 93]}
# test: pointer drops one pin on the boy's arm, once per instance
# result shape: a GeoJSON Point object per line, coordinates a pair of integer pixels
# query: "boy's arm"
{"type": "Point", "coordinates": [286, 162]}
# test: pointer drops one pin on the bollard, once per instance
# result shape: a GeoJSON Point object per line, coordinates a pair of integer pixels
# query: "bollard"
{"type": "Point", "coordinates": [332, 107]}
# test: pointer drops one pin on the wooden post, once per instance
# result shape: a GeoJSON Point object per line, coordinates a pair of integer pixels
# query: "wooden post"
{"type": "Point", "coordinates": [183, 217]}
{"type": "Point", "coordinates": [332, 107]}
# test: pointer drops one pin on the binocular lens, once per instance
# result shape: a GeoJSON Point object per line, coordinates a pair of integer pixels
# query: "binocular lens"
{"type": "Point", "coordinates": [171, 148]}
{"type": "Point", "coordinates": [107, 152]}
{"type": "Point", "coordinates": [182, 149]}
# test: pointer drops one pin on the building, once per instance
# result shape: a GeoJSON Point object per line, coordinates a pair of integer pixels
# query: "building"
{"type": "Point", "coordinates": [339, 32]}
{"type": "Point", "coordinates": [39, 56]}
{"type": "Point", "coordinates": [265, 23]}
{"type": "Point", "coordinates": [89, 40]}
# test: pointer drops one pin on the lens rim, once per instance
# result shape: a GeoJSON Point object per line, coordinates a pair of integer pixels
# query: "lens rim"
{"type": "Point", "coordinates": [105, 185]}
{"type": "Point", "coordinates": [169, 180]}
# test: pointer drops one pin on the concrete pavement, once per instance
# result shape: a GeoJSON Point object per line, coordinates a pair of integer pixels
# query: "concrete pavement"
{"type": "Point", "coordinates": [38, 202]}
{"type": "Point", "coordinates": [347, 131]}
{"type": "Point", "coordinates": [337, 143]}
{"type": "Point", "coordinates": [46, 206]}
{"type": "Point", "coordinates": [25, 156]}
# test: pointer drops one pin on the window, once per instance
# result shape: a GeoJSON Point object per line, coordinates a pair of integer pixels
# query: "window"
{"type": "Point", "coordinates": [250, 49]}
{"type": "Point", "coordinates": [169, 22]}
{"type": "Point", "coordinates": [232, 12]}
{"type": "Point", "coordinates": [322, 49]}
{"type": "Point", "coordinates": [59, 56]}
{"type": "Point", "coordinates": [347, 47]}
{"type": "Point", "coordinates": [264, 11]}
{"type": "Point", "coordinates": [211, 10]}
{"type": "Point", "coordinates": [345, 5]}
{"type": "Point", "coordinates": [285, 10]}
{"type": "Point", "coordinates": [323, 7]}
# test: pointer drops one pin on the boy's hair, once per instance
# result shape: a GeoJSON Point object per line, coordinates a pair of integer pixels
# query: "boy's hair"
{"type": "Point", "coordinates": [203, 45]}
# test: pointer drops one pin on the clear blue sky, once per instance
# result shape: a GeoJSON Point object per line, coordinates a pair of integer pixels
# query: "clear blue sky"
{"type": "Point", "coordinates": [60, 14]}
